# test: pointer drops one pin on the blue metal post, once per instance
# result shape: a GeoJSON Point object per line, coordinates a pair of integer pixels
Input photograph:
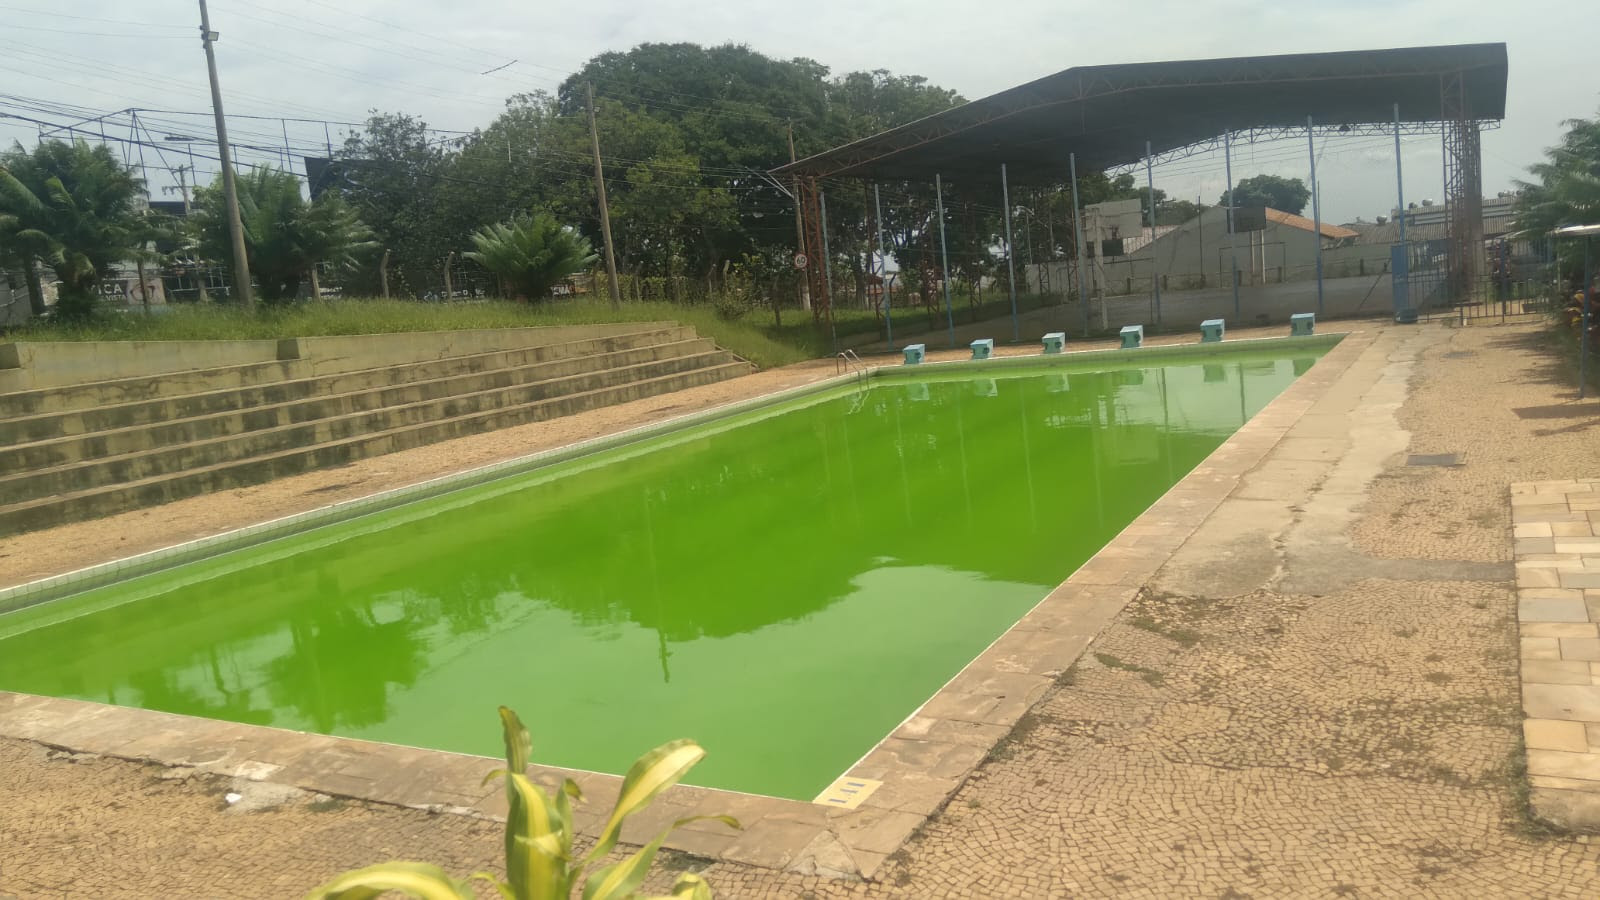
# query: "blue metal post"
{"type": "Point", "coordinates": [827, 267]}
{"type": "Point", "coordinates": [1316, 209]}
{"type": "Point", "coordinates": [1077, 229]}
{"type": "Point", "coordinates": [1011, 266]}
{"type": "Point", "coordinates": [1399, 177]}
{"type": "Point", "coordinates": [1150, 182]}
{"type": "Point", "coordinates": [883, 266]}
{"type": "Point", "coordinates": [944, 259]}
{"type": "Point", "coordinates": [1233, 247]}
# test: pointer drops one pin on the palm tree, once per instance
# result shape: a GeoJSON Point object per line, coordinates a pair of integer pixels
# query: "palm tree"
{"type": "Point", "coordinates": [285, 236]}
{"type": "Point", "coordinates": [531, 254]}
{"type": "Point", "coordinates": [71, 206]}
{"type": "Point", "coordinates": [1568, 190]}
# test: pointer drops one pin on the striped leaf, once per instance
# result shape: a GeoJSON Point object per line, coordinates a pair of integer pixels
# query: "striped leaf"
{"type": "Point", "coordinates": [651, 774]}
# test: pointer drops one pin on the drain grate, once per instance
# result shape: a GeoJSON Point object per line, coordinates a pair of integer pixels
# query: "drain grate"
{"type": "Point", "coordinates": [847, 792]}
{"type": "Point", "coordinates": [1434, 459]}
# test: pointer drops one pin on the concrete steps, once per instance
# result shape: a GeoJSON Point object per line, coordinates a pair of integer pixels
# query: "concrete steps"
{"type": "Point", "coordinates": [316, 399]}
{"type": "Point", "coordinates": [70, 464]}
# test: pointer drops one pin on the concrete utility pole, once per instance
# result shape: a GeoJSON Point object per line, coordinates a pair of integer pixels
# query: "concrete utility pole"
{"type": "Point", "coordinates": [230, 190]}
{"type": "Point", "coordinates": [600, 189]}
{"type": "Point", "coordinates": [799, 225]}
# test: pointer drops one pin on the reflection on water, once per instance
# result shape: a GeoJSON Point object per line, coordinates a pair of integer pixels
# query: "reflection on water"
{"type": "Point", "coordinates": [784, 591]}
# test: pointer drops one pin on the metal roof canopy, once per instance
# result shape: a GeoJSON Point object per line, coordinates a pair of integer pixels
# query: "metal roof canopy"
{"type": "Point", "coordinates": [1106, 114]}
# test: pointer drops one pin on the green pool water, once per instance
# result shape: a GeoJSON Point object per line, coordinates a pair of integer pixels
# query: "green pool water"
{"type": "Point", "coordinates": [785, 586]}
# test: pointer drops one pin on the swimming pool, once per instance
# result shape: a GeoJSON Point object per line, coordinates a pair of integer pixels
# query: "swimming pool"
{"type": "Point", "coordinates": [784, 585]}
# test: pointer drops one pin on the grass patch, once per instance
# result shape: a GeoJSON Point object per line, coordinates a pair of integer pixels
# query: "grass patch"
{"type": "Point", "coordinates": [758, 340]}
{"type": "Point", "coordinates": [1151, 676]}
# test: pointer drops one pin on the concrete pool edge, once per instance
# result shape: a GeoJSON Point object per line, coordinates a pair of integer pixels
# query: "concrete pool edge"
{"type": "Point", "coordinates": [920, 763]}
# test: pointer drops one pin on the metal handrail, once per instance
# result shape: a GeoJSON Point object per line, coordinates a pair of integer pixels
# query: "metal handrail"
{"type": "Point", "coordinates": [847, 361]}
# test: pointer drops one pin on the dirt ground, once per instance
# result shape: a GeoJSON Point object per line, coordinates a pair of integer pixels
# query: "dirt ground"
{"type": "Point", "coordinates": [1354, 734]}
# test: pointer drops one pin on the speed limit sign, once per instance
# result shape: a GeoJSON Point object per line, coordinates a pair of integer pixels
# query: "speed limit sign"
{"type": "Point", "coordinates": [800, 260]}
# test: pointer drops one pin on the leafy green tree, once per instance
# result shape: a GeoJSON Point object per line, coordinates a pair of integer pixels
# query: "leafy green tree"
{"type": "Point", "coordinates": [1287, 194]}
{"type": "Point", "coordinates": [285, 235]}
{"type": "Point", "coordinates": [531, 254]}
{"type": "Point", "coordinates": [71, 207]}
{"type": "Point", "coordinates": [1568, 188]}
{"type": "Point", "coordinates": [396, 174]}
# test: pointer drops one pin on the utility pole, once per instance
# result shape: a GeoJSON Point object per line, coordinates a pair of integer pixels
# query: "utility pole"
{"type": "Point", "coordinates": [230, 190]}
{"type": "Point", "coordinates": [183, 188]}
{"type": "Point", "coordinates": [600, 188]}
{"type": "Point", "coordinates": [799, 225]}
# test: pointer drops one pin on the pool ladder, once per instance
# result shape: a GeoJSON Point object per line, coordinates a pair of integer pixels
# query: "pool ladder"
{"type": "Point", "coordinates": [847, 361]}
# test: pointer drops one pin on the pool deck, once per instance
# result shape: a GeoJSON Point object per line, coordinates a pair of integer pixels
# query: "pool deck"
{"type": "Point", "coordinates": [1295, 673]}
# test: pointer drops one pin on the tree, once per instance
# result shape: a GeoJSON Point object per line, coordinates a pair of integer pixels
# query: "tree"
{"type": "Point", "coordinates": [1287, 194]}
{"type": "Point", "coordinates": [285, 236]}
{"type": "Point", "coordinates": [71, 206]}
{"type": "Point", "coordinates": [1568, 189]}
{"type": "Point", "coordinates": [397, 177]}
{"type": "Point", "coordinates": [531, 254]}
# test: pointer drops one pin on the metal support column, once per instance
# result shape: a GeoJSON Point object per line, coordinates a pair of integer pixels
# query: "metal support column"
{"type": "Point", "coordinates": [883, 268]}
{"type": "Point", "coordinates": [1011, 265]}
{"type": "Point", "coordinates": [1077, 229]}
{"type": "Point", "coordinates": [1316, 211]}
{"type": "Point", "coordinates": [944, 259]}
{"type": "Point", "coordinates": [1583, 334]}
{"type": "Point", "coordinates": [1463, 185]}
{"type": "Point", "coordinates": [827, 266]}
{"type": "Point", "coordinates": [819, 292]}
{"type": "Point", "coordinates": [1150, 183]}
{"type": "Point", "coordinates": [1399, 176]}
{"type": "Point", "coordinates": [1233, 247]}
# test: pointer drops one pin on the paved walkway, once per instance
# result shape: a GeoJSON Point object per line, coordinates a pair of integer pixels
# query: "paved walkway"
{"type": "Point", "coordinates": [1317, 696]}
{"type": "Point", "coordinates": [1558, 611]}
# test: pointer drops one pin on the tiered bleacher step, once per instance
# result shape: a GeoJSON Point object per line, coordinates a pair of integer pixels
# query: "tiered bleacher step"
{"type": "Point", "coordinates": [82, 451]}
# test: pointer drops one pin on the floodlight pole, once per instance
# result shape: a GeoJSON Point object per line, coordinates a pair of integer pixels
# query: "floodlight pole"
{"type": "Point", "coordinates": [1077, 229]}
{"type": "Point", "coordinates": [1011, 264]}
{"type": "Point", "coordinates": [1233, 246]}
{"type": "Point", "coordinates": [883, 266]}
{"type": "Point", "coordinates": [944, 259]}
{"type": "Point", "coordinates": [230, 189]}
{"type": "Point", "coordinates": [1150, 183]}
{"type": "Point", "coordinates": [1316, 210]}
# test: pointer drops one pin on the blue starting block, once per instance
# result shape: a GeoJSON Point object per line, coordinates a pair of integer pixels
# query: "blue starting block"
{"type": "Point", "coordinates": [1211, 331]}
{"type": "Point", "coordinates": [1302, 324]}
{"type": "Point", "coordinates": [1055, 342]}
{"type": "Point", "coordinates": [915, 353]}
{"type": "Point", "coordinates": [1132, 337]}
{"type": "Point", "coordinates": [983, 348]}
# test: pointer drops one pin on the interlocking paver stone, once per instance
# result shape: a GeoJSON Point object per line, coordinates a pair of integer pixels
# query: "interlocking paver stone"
{"type": "Point", "coordinates": [1561, 699]}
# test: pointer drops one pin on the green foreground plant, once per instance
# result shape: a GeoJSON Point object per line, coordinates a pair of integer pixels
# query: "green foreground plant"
{"type": "Point", "coordinates": [540, 863]}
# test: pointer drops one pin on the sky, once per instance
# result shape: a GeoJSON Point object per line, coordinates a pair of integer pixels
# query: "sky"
{"type": "Point", "coordinates": [340, 59]}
